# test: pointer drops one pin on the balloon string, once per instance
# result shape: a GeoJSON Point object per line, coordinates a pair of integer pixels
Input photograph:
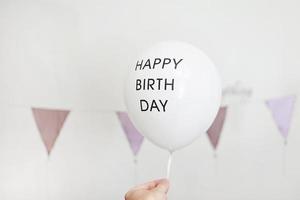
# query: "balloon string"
{"type": "Point", "coordinates": [169, 165]}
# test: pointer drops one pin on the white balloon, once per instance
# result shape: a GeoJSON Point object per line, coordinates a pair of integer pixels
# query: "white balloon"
{"type": "Point", "coordinates": [172, 94]}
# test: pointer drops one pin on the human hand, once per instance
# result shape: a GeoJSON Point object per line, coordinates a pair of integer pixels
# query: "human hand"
{"type": "Point", "coordinates": [154, 190]}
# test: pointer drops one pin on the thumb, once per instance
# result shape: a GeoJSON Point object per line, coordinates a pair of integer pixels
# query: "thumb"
{"type": "Point", "coordinates": [162, 186]}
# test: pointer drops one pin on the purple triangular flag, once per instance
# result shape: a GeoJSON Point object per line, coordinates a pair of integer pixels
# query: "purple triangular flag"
{"type": "Point", "coordinates": [214, 132]}
{"type": "Point", "coordinates": [49, 123]}
{"type": "Point", "coordinates": [134, 138]}
{"type": "Point", "coordinates": [282, 111]}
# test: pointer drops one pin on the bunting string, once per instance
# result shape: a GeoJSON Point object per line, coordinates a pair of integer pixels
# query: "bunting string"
{"type": "Point", "coordinates": [135, 171]}
{"type": "Point", "coordinates": [284, 159]}
{"type": "Point", "coordinates": [216, 161]}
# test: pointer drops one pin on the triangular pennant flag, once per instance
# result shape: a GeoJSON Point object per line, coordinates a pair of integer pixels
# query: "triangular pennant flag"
{"type": "Point", "coordinates": [49, 123]}
{"type": "Point", "coordinates": [282, 110]}
{"type": "Point", "coordinates": [215, 130]}
{"type": "Point", "coordinates": [134, 138]}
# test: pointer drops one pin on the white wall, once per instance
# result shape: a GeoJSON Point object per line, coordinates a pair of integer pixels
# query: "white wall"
{"type": "Point", "coordinates": [74, 55]}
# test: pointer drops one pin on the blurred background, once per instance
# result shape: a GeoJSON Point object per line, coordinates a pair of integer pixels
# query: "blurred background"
{"type": "Point", "coordinates": [74, 55]}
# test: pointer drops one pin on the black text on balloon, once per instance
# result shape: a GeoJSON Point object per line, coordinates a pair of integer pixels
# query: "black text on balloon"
{"type": "Point", "coordinates": [153, 105]}
{"type": "Point", "coordinates": [155, 84]}
{"type": "Point", "coordinates": [157, 63]}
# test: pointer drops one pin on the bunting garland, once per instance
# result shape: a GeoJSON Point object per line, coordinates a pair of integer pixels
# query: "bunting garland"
{"type": "Point", "coordinates": [49, 123]}
{"type": "Point", "coordinates": [214, 132]}
{"type": "Point", "coordinates": [134, 138]}
{"type": "Point", "coordinates": [282, 110]}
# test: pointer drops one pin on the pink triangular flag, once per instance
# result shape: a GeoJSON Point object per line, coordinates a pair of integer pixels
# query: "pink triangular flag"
{"type": "Point", "coordinates": [215, 130]}
{"type": "Point", "coordinates": [282, 110]}
{"type": "Point", "coordinates": [134, 138]}
{"type": "Point", "coordinates": [49, 123]}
